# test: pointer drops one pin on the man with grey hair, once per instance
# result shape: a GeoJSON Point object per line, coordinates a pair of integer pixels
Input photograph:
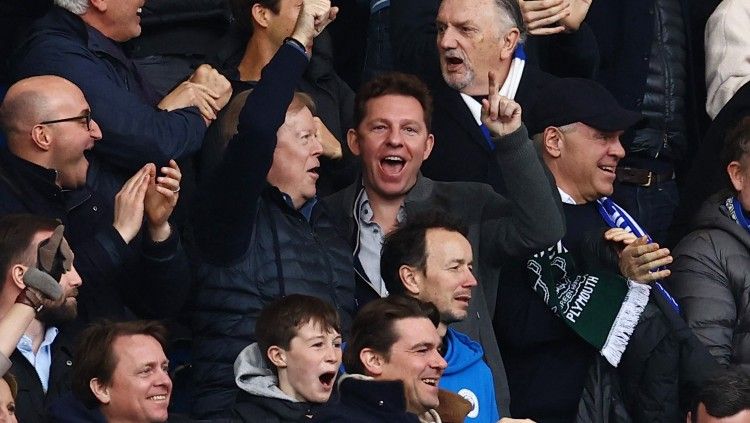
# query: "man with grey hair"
{"type": "Point", "coordinates": [473, 38]}
{"type": "Point", "coordinates": [79, 40]}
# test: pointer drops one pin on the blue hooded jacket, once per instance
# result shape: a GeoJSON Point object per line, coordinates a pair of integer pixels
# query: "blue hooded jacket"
{"type": "Point", "coordinates": [469, 376]}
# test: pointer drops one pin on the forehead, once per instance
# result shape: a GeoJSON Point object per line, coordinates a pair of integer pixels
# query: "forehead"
{"type": "Point", "coordinates": [414, 331]}
{"type": "Point", "coordinates": [133, 350]}
{"type": "Point", "coordinates": [394, 107]}
{"type": "Point", "coordinates": [313, 328]}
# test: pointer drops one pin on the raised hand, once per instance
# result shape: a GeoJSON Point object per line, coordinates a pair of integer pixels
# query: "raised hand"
{"type": "Point", "coordinates": [210, 78]}
{"type": "Point", "coordinates": [129, 204]}
{"type": "Point", "coordinates": [189, 94]}
{"type": "Point", "coordinates": [500, 115]}
{"type": "Point", "coordinates": [331, 145]}
{"type": "Point", "coordinates": [313, 17]}
{"type": "Point", "coordinates": [544, 17]}
{"type": "Point", "coordinates": [161, 198]}
{"type": "Point", "coordinates": [640, 260]}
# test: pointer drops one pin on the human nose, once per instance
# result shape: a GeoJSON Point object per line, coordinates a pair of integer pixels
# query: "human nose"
{"type": "Point", "coordinates": [617, 150]}
{"type": "Point", "coordinates": [446, 39]}
{"type": "Point", "coordinates": [316, 147]}
{"type": "Point", "coordinates": [73, 278]}
{"type": "Point", "coordinates": [94, 130]}
{"type": "Point", "coordinates": [332, 354]}
{"type": "Point", "coordinates": [470, 279]}
{"type": "Point", "coordinates": [163, 379]}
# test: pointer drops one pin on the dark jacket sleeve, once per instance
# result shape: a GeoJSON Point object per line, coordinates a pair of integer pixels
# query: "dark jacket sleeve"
{"type": "Point", "coordinates": [133, 131]}
{"type": "Point", "coordinates": [535, 220]}
{"type": "Point", "coordinates": [413, 35]}
{"type": "Point", "coordinates": [224, 212]}
{"type": "Point", "coordinates": [701, 285]}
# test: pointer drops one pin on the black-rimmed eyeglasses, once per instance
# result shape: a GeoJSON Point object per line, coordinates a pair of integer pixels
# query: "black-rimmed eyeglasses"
{"type": "Point", "coordinates": [86, 115]}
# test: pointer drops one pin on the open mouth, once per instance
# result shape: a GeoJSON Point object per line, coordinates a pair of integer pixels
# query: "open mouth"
{"type": "Point", "coordinates": [608, 169]}
{"type": "Point", "coordinates": [314, 171]}
{"type": "Point", "coordinates": [453, 60]}
{"type": "Point", "coordinates": [464, 298]}
{"type": "Point", "coordinates": [161, 397]}
{"type": "Point", "coordinates": [430, 381]}
{"type": "Point", "coordinates": [392, 164]}
{"type": "Point", "coordinates": [327, 379]}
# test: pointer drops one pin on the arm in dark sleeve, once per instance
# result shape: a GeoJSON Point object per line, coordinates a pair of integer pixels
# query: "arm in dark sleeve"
{"type": "Point", "coordinates": [133, 132]}
{"type": "Point", "coordinates": [225, 206]}
{"type": "Point", "coordinates": [534, 220]}
{"type": "Point", "coordinates": [701, 286]}
{"type": "Point", "coordinates": [413, 37]}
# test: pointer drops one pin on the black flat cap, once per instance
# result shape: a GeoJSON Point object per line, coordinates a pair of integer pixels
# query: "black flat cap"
{"type": "Point", "coordinates": [569, 100]}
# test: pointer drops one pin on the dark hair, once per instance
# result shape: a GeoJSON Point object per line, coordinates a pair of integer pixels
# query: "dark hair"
{"type": "Point", "coordinates": [737, 142]}
{"type": "Point", "coordinates": [242, 10]}
{"type": "Point", "coordinates": [373, 326]}
{"type": "Point", "coordinates": [16, 233]}
{"type": "Point", "coordinates": [12, 384]}
{"type": "Point", "coordinates": [95, 358]}
{"type": "Point", "coordinates": [724, 395]}
{"type": "Point", "coordinates": [407, 245]}
{"type": "Point", "coordinates": [280, 320]}
{"type": "Point", "coordinates": [393, 83]}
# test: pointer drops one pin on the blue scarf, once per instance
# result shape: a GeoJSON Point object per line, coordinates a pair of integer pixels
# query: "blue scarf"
{"type": "Point", "coordinates": [616, 217]}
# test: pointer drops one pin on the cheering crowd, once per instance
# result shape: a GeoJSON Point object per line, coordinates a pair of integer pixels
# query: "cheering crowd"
{"type": "Point", "coordinates": [376, 211]}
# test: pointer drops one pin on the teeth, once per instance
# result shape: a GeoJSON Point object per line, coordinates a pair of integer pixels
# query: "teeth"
{"type": "Point", "coordinates": [394, 158]}
{"type": "Point", "coordinates": [431, 382]}
{"type": "Point", "coordinates": [140, 10]}
{"type": "Point", "coordinates": [158, 397]}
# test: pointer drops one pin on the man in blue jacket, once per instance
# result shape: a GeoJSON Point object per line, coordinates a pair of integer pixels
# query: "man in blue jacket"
{"type": "Point", "coordinates": [429, 258]}
{"type": "Point", "coordinates": [79, 40]}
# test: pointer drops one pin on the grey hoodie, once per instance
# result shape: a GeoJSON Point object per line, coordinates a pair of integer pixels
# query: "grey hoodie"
{"type": "Point", "coordinates": [253, 375]}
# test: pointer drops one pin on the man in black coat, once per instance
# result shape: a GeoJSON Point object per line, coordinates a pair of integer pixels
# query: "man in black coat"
{"type": "Point", "coordinates": [473, 37]}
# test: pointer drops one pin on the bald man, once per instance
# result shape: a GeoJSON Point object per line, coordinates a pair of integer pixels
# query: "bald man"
{"type": "Point", "coordinates": [46, 171]}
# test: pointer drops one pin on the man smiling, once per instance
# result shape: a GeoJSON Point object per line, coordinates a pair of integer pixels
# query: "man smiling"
{"type": "Point", "coordinates": [392, 138]}
{"type": "Point", "coordinates": [121, 369]}
{"type": "Point", "coordinates": [394, 365]}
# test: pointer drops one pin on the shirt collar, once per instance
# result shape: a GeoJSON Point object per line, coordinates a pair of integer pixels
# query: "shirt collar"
{"type": "Point", "coordinates": [565, 197]}
{"type": "Point", "coordinates": [25, 343]}
{"type": "Point", "coordinates": [365, 213]}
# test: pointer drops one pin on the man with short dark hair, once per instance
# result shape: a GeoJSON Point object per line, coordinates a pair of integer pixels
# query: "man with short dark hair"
{"type": "Point", "coordinates": [725, 398]}
{"type": "Point", "coordinates": [290, 372]}
{"type": "Point", "coordinates": [429, 258]}
{"type": "Point", "coordinates": [393, 363]}
{"type": "Point", "coordinates": [121, 369]}
{"type": "Point", "coordinates": [38, 340]}
{"type": "Point", "coordinates": [392, 138]}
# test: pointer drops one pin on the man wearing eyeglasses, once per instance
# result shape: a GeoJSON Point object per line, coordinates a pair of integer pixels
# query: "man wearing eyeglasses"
{"type": "Point", "coordinates": [46, 170]}
{"type": "Point", "coordinates": [80, 40]}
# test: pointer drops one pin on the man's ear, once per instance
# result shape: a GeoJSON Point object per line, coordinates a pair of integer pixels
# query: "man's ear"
{"type": "Point", "coordinates": [41, 137]}
{"type": "Point", "coordinates": [259, 15]}
{"type": "Point", "coordinates": [428, 148]}
{"type": "Point", "coordinates": [100, 5]}
{"type": "Point", "coordinates": [551, 143]}
{"type": "Point", "coordinates": [277, 356]}
{"type": "Point", "coordinates": [16, 273]}
{"type": "Point", "coordinates": [410, 279]}
{"type": "Point", "coordinates": [736, 175]}
{"type": "Point", "coordinates": [509, 43]}
{"type": "Point", "coordinates": [372, 361]}
{"type": "Point", "coordinates": [100, 390]}
{"type": "Point", "coordinates": [351, 141]}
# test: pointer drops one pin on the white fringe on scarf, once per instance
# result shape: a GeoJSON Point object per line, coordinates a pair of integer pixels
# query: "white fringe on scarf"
{"type": "Point", "coordinates": [625, 322]}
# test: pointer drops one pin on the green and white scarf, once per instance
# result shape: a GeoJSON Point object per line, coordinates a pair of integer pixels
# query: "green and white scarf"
{"type": "Point", "coordinates": [601, 307]}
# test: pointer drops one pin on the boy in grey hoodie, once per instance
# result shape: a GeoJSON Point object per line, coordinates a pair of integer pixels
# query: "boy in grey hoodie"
{"type": "Point", "coordinates": [292, 368]}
